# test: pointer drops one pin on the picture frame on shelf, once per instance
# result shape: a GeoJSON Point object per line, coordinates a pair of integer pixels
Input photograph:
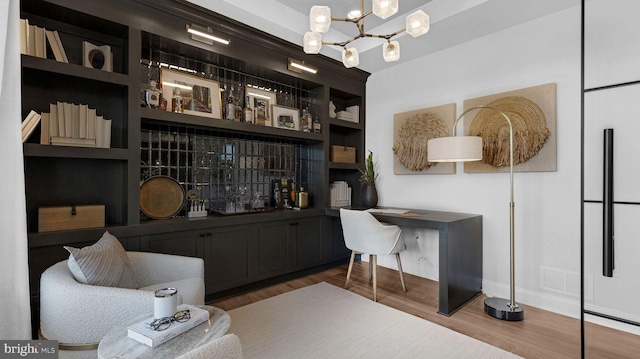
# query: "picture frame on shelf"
{"type": "Point", "coordinates": [260, 101]}
{"type": "Point", "coordinates": [285, 117]}
{"type": "Point", "coordinates": [199, 96]}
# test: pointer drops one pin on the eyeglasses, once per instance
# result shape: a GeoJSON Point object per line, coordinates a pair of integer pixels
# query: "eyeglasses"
{"type": "Point", "coordinates": [164, 323]}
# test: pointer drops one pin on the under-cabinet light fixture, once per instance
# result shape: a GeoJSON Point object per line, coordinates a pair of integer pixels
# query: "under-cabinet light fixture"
{"type": "Point", "coordinates": [171, 84]}
{"type": "Point", "coordinates": [249, 93]}
{"type": "Point", "coordinates": [205, 34]}
{"type": "Point", "coordinates": [299, 66]}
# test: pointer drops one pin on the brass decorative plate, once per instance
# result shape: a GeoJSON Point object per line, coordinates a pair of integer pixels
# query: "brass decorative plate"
{"type": "Point", "coordinates": [161, 197]}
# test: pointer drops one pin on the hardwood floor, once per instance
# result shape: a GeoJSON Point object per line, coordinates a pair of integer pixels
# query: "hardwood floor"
{"type": "Point", "coordinates": [542, 334]}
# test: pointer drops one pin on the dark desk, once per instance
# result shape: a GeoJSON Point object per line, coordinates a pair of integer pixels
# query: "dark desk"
{"type": "Point", "coordinates": [460, 252]}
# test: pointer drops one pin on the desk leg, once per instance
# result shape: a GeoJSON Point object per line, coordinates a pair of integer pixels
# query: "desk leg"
{"type": "Point", "coordinates": [460, 253]}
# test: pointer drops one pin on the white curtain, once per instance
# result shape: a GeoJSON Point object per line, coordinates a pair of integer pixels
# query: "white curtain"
{"type": "Point", "coordinates": [15, 321]}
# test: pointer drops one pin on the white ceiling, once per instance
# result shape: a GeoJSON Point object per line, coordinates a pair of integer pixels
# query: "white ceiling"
{"type": "Point", "coordinates": [452, 22]}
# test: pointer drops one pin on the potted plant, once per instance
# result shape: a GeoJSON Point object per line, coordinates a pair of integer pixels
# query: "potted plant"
{"type": "Point", "coordinates": [368, 181]}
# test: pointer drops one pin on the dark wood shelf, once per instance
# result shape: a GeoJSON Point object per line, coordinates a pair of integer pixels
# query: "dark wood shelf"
{"type": "Point", "coordinates": [343, 166]}
{"type": "Point", "coordinates": [224, 125]}
{"type": "Point", "coordinates": [345, 124]}
{"type": "Point", "coordinates": [62, 68]}
{"type": "Point", "coordinates": [38, 150]}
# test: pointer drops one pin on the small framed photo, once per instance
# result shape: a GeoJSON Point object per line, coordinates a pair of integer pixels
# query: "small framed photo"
{"type": "Point", "coordinates": [260, 102]}
{"type": "Point", "coordinates": [285, 117]}
{"type": "Point", "coordinates": [194, 95]}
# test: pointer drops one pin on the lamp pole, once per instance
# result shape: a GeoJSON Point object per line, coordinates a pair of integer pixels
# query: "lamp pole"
{"type": "Point", "coordinates": [498, 307]}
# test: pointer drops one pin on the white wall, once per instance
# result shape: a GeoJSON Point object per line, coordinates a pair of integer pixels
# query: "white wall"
{"type": "Point", "coordinates": [547, 214]}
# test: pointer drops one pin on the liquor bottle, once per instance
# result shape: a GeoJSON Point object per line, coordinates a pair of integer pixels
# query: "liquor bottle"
{"type": "Point", "coordinates": [248, 112]}
{"type": "Point", "coordinates": [152, 95]}
{"type": "Point", "coordinates": [176, 101]}
{"type": "Point", "coordinates": [292, 194]}
{"type": "Point", "coordinates": [305, 120]}
{"type": "Point", "coordinates": [163, 100]}
{"type": "Point", "coordinates": [317, 126]}
{"type": "Point", "coordinates": [238, 113]}
{"type": "Point", "coordinates": [231, 107]}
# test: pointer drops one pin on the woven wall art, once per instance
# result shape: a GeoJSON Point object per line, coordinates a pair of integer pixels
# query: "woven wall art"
{"type": "Point", "coordinates": [412, 130]}
{"type": "Point", "coordinates": [533, 116]}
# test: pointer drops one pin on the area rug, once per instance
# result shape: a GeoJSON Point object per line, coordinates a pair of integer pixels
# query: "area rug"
{"type": "Point", "coordinates": [324, 321]}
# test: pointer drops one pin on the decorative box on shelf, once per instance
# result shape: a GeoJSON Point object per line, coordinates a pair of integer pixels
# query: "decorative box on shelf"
{"type": "Point", "coordinates": [62, 218]}
{"type": "Point", "coordinates": [343, 154]}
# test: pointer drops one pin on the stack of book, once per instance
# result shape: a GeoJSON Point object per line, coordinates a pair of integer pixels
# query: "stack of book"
{"type": "Point", "coordinates": [69, 124]}
{"type": "Point", "coordinates": [340, 194]}
{"type": "Point", "coordinates": [142, 332]}
{"type": "Point", "coordinates": [33, 41]}
{"type": "Point", "coordinates": [352, 114]}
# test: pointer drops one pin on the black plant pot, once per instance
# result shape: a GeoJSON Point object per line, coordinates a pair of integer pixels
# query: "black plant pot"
{"type": "Point", "coordinates": [369, 196]}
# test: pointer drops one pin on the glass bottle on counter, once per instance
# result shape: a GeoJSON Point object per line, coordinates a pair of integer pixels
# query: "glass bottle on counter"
{"type": "Point", "coordinates": [248, 112]}
{"type": "Point", "coordinates": [305, 120]}
{"type": "Point", "coordinates": [231, 107]}
{"type": "Point", "coordinates": [317, 126]}
{"type": "Point", "coordinates": [176, 101]}
{"type": "Point", "coordinates": [238, 114]}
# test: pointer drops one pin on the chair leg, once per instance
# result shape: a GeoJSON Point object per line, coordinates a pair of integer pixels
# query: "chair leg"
{"type": "Point", "coordinates": [375, 278]}
{"type": "Point", "coordinates": [404, 288]}
{"type": "Point", "coordinates": [370, 267]}
{"type": "Point", "coordinates": [353, 256]}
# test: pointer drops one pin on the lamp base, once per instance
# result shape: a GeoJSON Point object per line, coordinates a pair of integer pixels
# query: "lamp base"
{"type": "Point", "coordinates": [499, 308]}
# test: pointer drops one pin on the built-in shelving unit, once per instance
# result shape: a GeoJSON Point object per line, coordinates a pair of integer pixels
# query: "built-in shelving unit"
{"type": "Point", "coordinates": [142, 34]}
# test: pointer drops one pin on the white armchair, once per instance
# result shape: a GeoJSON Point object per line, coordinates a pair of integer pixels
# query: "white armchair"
{"type": "Point", "coordinates": [363, 233]}
{"type": "Point", "coordinates": [79, 315]}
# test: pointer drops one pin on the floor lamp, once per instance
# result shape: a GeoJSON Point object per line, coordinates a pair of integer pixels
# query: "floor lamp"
{"type": "Point", "coordinates": [469, 148]}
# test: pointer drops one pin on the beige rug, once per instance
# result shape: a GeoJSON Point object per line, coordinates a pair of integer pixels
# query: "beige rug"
{"type": "Point", "coordinates": [324, 321]}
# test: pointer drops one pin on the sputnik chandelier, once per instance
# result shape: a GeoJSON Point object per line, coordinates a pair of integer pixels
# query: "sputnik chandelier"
{"type": "Point", "coordinates": [417, 23]}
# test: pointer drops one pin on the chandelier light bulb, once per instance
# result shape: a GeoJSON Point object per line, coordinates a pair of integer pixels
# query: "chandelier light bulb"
{"type": "Point", "coordinates": [354, 14]}
{"type": "Point", "coordinates": [312, 42]}
{"type": "Point", "coordinates": [391, 51]}
{"type": "Point", "coordinates": [350, 57]}
{"type": "Point", "coordinates": [384, 8]}
{"type": "Point", "coordinates": [417, 23]}
{"type": "Point", "coordinates": [320, 18]}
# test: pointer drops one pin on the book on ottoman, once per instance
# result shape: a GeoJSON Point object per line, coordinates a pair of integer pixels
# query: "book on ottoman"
{"type": "Point", "coordinates": [142, 331]}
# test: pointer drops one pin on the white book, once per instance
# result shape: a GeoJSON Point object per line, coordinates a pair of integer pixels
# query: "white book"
{"type": "Point", "coordinates": [53, 43]}
{"type": "Point", "coordinates": [83, 121]}
{"type": "Point", "coordinates": [75, 125]}
{"type": "Point", "coordinates": [91, 123]}
{"type": "Point", "coordinates": [53, 120]}
{"type": "Point", "coordinates": [99, 131]}
{"type": "Point", "coordinates": [68, 119]}
{"type": "Point", "coordinates": [142, 332]}
{"type": "Point", "coordinates": [31, 41]}
{"type": "Point", "coordinates": [60, 116]}
{"type": "Point", "coordinates": [24, 34]}
{"type": "Point", "coordinates": [59, 42]}
{"type": "Point", "coordinates": [29, 124]}
{"type": "Point", "coordinates": [41, 43]}
{"type": "Point", "coordinates": [74, 142]}
{"type": "Point", "coordinates": [45, 122]}
{"type": "Point", "coordinates": [106, 141]}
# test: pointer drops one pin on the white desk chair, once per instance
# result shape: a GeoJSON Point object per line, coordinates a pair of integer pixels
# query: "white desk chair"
{"type": "Point", "coordinates": [364, 234]}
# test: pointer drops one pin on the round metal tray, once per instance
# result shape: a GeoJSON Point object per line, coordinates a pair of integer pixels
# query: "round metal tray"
{"type": "Point", "coordinates": [161, 197]}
